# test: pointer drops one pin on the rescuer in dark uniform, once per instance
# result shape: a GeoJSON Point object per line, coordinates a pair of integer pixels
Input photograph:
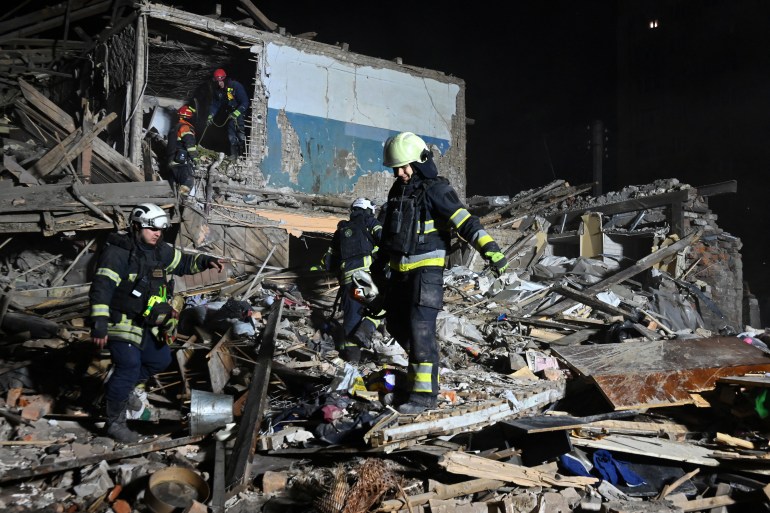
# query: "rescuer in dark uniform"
{"type": "Point", "coordinates": [230, 96]}
{"type": "Point", "coordinates": [353, 245]}
{"type": "Point", "coordinates": [130, 308]}
{"type": "Point", "coordinates": [422, 210]}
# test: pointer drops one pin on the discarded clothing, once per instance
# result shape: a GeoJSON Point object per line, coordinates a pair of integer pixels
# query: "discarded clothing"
{"type": "Point", "coordinates": [611, 469]}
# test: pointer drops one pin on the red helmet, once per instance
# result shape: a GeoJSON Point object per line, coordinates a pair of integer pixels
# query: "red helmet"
{"type": "Point", "coordinates": [219, 74]}
{"type": "Point", "coordinates": [186, 112]}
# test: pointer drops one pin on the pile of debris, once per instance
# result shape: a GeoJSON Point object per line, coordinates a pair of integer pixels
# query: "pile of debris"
{"type": "Point", "coordinates": [593, 382]}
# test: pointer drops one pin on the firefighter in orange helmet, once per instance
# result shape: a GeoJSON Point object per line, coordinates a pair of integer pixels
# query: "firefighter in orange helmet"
{"type": "Point", "coordinates": [182, 150]}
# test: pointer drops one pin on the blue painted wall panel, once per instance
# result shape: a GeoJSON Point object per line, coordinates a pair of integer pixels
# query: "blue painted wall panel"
{"type": "Point", "coordinates": [335, 154]}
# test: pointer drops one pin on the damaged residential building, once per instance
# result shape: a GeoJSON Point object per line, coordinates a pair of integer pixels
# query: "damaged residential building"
{"type": "Point", "coordinates": [617, 365]}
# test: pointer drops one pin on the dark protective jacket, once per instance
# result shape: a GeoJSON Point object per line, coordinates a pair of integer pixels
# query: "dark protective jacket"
{"type": "Point", "coordinates": [128, 274]}
{"type": "Point", "coordinates": [419, 220]}
{"type": "Point", "coordinates": [354, 245]}
{"type": "Point", "coordinates": [182, 146]}
{"type": "Point", "coordinates": [232, 97]}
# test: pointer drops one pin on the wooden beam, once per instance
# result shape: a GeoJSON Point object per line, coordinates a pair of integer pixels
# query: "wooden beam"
{"type": "Point", "coordinates": [61, 466]}
{"type": "Point", "coordinates": [107, 157]}
{"type": "Point", "coordinates": [238, 470]}
{"type": "Point", "coordinates": [56, 21]}
{"type": "Point", "coordinates": [70, 148]}
{"type": "Point", "coordinates": [258, 16]}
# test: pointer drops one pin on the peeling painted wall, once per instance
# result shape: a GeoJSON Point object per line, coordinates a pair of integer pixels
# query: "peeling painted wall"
{"type": "Point", "coordinates": [328, 116]}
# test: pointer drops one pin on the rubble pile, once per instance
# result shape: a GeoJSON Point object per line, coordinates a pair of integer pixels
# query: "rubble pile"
{"type": "Point", "coordinates": [615, 366]}
{"type": "Point", "coordinates": [569, 383]}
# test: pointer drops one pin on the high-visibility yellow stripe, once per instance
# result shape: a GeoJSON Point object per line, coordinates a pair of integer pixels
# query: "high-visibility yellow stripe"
{"type": "Point", "coordinates": [459, 217]}
{"type": "Point", "coordinates": [422, 377]}
{"type": "Point", "coordinates": [109, 273]}
{"type": "Point", "coordinates": [98, 310]}
{"type": "Point", "coordinates": [410, 266]}
{"type": "Point", "coordinates": [483, 240]}
{"type": "Point", "coordinates": [127, 332]}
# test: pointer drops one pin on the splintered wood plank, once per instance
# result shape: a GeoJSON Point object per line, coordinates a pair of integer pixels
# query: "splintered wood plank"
{"type": "Point", "coordinates": [220, 364]}
{"type": "Point", "coordinates": [683, 452]}
{"type": "Point", "coordinates": [662, 373]}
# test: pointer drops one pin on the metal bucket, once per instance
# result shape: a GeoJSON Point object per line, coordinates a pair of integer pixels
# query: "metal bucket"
{"type": "Point", "coordinates": [209, 411]}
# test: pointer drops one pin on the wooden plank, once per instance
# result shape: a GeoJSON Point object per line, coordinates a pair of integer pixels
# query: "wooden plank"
{"type": "Point", "coordinates": [681, 452]}
{"type": "Point", "coordinates": [643, 203]}
{"type": "Point", "coordinates": [39, 15]}
{"type": "Point", "coordinates": [73, 15]}
{"type": "Point", "coordinates": [483, 468]}
{"type": "Point", "coordinates": [220, 364]}
{"type": "Point", "coordinates": [543, 423]}
{"type": "Point", "coordinates": [755, 380]}
{"type": "Point", "coordinates": [47, 107]}
{"type": "Point", "coordinates": [662, 373]}
{"type": "Point", "coordinates": [70, 147]}
{"type": "Point", "coordinates": [62, 466]}
{"type": "Point", "coordinates": [259, 16]}
{"type": "Point", "coordinates": [238, 470]}
{"type": "Point", "coordinates": [57, 197]}
{"type": "Point", "coordinates": [576, 338]}
{"type": "Point", "coordinates": [106, 155]}
{"type": "Point", "coordinates": [441, 492]}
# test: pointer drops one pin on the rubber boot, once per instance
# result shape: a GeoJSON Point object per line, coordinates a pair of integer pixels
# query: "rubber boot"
{"type": "Point", "coordinates": [235, 150]}
{"type": "Point", "coordinates": [117, 429]}
{"type": "Point", "coordinates": [351, 353]}
{"type": "Point", "coordinates": [363, 334]}
{"type": "Point", "coordinates": [418, 402]}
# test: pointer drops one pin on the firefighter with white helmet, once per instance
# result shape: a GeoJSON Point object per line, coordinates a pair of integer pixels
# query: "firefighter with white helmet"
{"type": "Point", "coordinates": [350, 254]}
{"type": "Point", "coordinates": [131, 313]}
{"type": "Point", "coordinates": [422, 212]}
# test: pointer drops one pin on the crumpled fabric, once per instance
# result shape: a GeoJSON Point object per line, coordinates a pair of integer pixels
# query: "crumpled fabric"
{"type": "Point", "coordinates": [574, 466]}
{"type": "Point", "coordinates": [612, 470]}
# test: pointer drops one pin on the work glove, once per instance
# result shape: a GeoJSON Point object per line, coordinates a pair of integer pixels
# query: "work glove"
{"type": "Point", "coordinates": [99, 329]}
{"type": "Point", "coordinates": [497, 262]}
{"type": "Point", "coordinates": [235, 114]}
{"type": "Point", "coordinates": [315, 268]}
{"type": "Point", "coordinates": [216, 263]}
{"type": "Point", "coordinates": [210, 119]}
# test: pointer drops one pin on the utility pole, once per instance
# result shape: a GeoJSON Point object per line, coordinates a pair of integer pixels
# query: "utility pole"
{"type": "Point", "coordinates": [597, 145]}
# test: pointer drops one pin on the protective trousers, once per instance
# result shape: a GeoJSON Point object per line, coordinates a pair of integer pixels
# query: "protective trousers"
{"type": "Point", "coordinates": [132, 365]}
{"type": "Point", "coordinates": [182, 174]}
{"type": "Point", "coordinates": [414, 301]}
{"type": "Point", "coordinates": [236, 134]}
{"type": "Point", "coordinates": [354, 326]}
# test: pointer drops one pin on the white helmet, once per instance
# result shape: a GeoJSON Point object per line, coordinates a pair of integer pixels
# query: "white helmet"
{"type": "Point", "coordinates": [149, 215]}
{"type": "Point", "coordinates": [364, 204]}
{"type": "Point", "coordinates": [364, 290]}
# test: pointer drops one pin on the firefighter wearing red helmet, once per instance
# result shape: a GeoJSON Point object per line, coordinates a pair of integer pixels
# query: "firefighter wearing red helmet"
{"type": "Point", "coordinates": [230, 97]}
{"type": "Point", "coordinates": [182, 150]}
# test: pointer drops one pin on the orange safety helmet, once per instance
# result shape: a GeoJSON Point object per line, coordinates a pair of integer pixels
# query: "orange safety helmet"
{"type": "Point", "coordinates": [186, 112]}
{"type": "Point", "coordinates": [219, 74]}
